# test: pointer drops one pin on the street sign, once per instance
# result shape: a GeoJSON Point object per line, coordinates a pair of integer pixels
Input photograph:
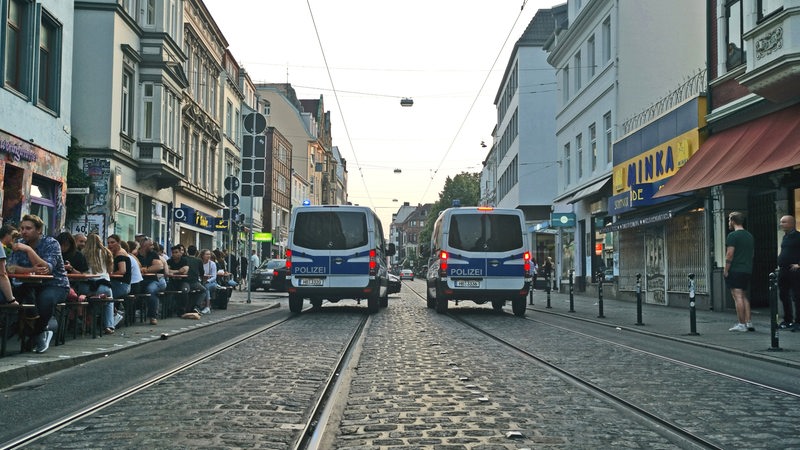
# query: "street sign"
{"type": "Point", "coordinates": [262, 237]}
{"type": "Point", "coordinates": [231, 183]}
{"type": "Point", "coordinates": [231, 200]}
{"type": "Point", "coordinates": [255, 123]}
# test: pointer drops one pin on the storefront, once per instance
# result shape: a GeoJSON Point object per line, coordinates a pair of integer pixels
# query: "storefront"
{"type": "Point", "coordinates": [33, 182]}
{"type": "Point", "coordinates": [661, 239]}
{"type": "Point", "coordinates": [195, 227]}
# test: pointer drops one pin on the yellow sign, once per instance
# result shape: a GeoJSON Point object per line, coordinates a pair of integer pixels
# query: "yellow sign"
{"type": "Point", "coordinates": [262, 237]}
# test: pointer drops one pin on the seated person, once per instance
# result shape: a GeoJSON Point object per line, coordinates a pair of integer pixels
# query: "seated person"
{"type": "Point", "coordinates": [209, 278]}
{"type": "Point", "coordinates": [153, 277]}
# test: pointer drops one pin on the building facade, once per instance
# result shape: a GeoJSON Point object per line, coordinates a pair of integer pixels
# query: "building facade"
{"type": "Point", "coordinates": [35, 108]}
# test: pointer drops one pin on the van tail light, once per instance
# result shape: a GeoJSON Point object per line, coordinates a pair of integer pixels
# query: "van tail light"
{"type": "Point", "coordinates": [289, 259]}
{"type": "Point", "coordinates": [275, 273]}
{"type": "Point", "coordinates": [526, 266]}
{"type": "Point", "coordinates": [373, 263]}
{"type": "Point", "coordinates": [443, 263]}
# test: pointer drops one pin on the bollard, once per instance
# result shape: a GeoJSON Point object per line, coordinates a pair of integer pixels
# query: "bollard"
{"type": "Point", "coordinates": [547, 278]}
{"type": "Point", "coordinates": [530, 294]}
{"type": "Point", "coordinates": [773, 311]}
{"type": "Point", "coordinates": [571, 291]}
{"type": "Point", "coordinates": [639, 299]}
{"type": "Point", "coordinates": [600, 277]}
{"type": "Point", "coordinates": [692, 310]}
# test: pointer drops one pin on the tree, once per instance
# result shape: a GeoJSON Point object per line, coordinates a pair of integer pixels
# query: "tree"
{"type": "Point", "coordinates": [464, 187]}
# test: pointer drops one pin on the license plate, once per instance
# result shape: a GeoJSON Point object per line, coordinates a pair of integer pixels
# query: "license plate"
{"type": "Point", "coordinates": [468, 283]}
{"type": "Point", "coordinates": [310, 281]}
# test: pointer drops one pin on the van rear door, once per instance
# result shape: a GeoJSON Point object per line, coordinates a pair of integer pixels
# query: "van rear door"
{"type": "Point", "coordinates": [311, 248]}
{"type": "Point", "coordinates": [349, 255]}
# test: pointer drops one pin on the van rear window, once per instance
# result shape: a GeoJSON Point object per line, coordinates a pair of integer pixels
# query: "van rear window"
{"type": "Point", "coordinates": [330, 230]}
{"type": "Point", "coordinates": [485, 232]}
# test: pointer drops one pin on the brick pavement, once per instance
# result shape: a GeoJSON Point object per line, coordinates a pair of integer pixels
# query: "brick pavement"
{"type": "Point", "coordinates": [671, 322]}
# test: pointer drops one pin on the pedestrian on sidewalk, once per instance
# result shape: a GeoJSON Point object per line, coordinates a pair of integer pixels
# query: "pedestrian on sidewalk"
{"type": "Point", "coordinates": [739, 247]}
{"type": "Point", "coordinates": [789, 273]}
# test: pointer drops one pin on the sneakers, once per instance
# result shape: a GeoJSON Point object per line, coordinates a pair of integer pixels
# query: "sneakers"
{"type": "Point", "coordinates": [784, 325]}
{"type": "Point", "coordinates": [197, 310]}
{"type": "Point", "coordinates": [206, 310]}
{"type": "Point", "coordinates": [43, 342]}
{"type": "Point", "coordinates": [117, 319]}
{"type": "Point", "coordinates": [738, 327]}
{"type": "Point", "coordinates": [750, 326]}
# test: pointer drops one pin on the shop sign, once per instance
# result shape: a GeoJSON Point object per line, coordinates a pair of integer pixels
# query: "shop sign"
{"type": "Point", "coordinates": [191, 216]}
{"type": "Point", "coordinates": [562, 219]}
{"type": "Point", "coordinates": [639, 195]}
{"type": "Point", "coordinates": [17, 149]}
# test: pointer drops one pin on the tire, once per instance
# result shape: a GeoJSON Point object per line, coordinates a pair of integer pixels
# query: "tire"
{"type": "Point", "coordinates": [497, 305]}
{"type": "Point", "coordinates": [385, 301]}
{"type": "Point", "coordinates": [518, 306]}
{"type": "Point", "coordinates": [431, 301]}
{"type": "Point", "coordinates": [295, 303]}
{"type": "Point", "coordinates": [440, 302]}
{"type": "Point", "coordinates": [373, 303]}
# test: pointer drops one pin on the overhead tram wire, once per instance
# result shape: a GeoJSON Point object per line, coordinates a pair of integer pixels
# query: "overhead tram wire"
{"type": "Point", "coordinates": [339, 105]}
{"type": "Point", "coordinates": [474, 101]}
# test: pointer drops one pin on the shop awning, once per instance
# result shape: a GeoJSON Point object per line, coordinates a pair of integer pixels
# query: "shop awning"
{"type": "Point", "coordinates": [761, 146]}
{"type": "Point", "coordinates": [656, 217]}
{"type": "Point", "coordinates": [590, 189]}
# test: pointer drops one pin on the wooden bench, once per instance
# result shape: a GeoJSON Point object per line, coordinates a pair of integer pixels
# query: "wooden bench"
{"type": "Point", "coordinates": [10, 314]}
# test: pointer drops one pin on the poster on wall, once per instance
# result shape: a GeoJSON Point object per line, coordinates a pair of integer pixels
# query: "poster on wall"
{"type": "Point", "coordinates": [100, 172]}
{"type": "Point", "coordinates": [89, 223]}
{"type": "Point", "coordinates": [655, 266]}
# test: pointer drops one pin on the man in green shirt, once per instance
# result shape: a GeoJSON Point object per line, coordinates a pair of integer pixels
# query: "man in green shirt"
{"type": "Point", "coordinates": [738, 268]}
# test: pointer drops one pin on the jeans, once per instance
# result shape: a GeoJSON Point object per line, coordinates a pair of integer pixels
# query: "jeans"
{"type": "Point", "coordinates": [788, 289]}
{"type": "Point", "coordinates": [108, 307]}
{"type": "Point", "coordinates": [153, 287]}
{"type": "Point", "coordinates": [211, 287]}
{"type": "Point", "coordinates": [46, 299]}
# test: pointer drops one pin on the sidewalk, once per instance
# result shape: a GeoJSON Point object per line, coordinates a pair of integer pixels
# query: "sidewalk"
{"type": "Point", "coordinates": [18, 368]}
{"type": "Point", "coordinates": [674, 323]}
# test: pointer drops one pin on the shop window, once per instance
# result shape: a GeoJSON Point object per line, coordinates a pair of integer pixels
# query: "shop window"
{"type": "Point", "coordinates": [43, 195]}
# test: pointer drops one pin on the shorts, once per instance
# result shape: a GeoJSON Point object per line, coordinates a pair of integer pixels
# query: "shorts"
{"type": "Point", "coordinates": [737, 280]}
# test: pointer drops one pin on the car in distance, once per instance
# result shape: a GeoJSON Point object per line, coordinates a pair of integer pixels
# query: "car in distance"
{"type": "Point", "coordinates": [271, 274]}
{"type": "Point", "coordinates": [407, 274]}
{"type": "Point", "coordinates": [394, 283]}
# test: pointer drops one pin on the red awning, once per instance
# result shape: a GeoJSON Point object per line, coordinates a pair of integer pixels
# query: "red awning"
{"type": "Point", "coordinates": [760, 146]}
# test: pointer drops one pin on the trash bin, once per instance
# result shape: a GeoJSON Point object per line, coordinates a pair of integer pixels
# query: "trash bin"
{"type": "Point", "coordinates": [221, 297]}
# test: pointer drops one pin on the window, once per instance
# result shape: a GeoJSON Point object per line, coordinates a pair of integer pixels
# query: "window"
{"type": "Point", "coordinates": [16, 50]}
{"type": "Point", "coordinates": [607, 39]}
{"type": "Point", "coordinates": [565, 84]}
{"type": "Point", "coordinates": [579, 154]}
{"type": "Point", "coordinates": [567, 165]}
{"type": "Point", "coordinates": [593, 144]}
{"type": "Point", "coordinates": [767, 7]}
{"type": "Point", "coordinates": [126, 226]}
{"type": "Point", "coordinates": [229, 119]}
{"type": "Point", "coordinates": [150, 13]}
{"type": "Point", "coordinates": [734, 15]}
{"type": "Point", "coordinates": [126, 104]}
{"type": "Point", "coordinates": [590, 56]}
{"type": "Point", "coordinates": [203, 181]}
{"type": "Point", "coordinates": [578, 69]}
{"type": "Point", "coordinates": [173, 118]}
{"type": "Point", "coordinates": [148, 111]}
{"type": "Point", "coordinates": [49, 62]}
{"type": "Point", "coordinates": [43, 201]}
{"type": "Point", "coordinates": [191, 162]}
{"type": "Point", "coordinates": [607, 125]}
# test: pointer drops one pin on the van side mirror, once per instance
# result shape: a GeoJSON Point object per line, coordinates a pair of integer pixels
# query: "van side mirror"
{"type": "Point", "coordinates": [391, 250]}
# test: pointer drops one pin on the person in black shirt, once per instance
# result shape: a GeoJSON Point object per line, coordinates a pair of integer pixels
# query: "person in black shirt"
{"type": "Point", "coordinates": [789, 273]}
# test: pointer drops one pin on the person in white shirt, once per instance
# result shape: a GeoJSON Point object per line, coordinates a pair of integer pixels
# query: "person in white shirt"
{"type": "Point", "coordinates": [209, 278]}
{"type": "Point", "coordinates": [255, 261]}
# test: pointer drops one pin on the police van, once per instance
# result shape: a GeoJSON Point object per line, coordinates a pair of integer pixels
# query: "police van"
{"type": "Point", "coordinates": [479, 254]}
{"type": "Point", "coordinates": [337, 252]}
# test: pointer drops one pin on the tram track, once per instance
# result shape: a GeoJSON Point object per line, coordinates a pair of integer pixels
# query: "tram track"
{"type": "Point", "coordinates": [308, 436]}
{"type": "Point", "coordinates": [655, 418]}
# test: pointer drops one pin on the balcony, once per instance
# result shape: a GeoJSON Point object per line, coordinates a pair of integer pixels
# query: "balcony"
{"type": "Point", "coordinates": [160, 164]}
{"type": "Point", "coordinates": [773, 57]}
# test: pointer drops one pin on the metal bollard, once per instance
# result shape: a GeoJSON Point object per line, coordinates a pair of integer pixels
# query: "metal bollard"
{"type": "Point", "coordinates": [692, 310]}
{"type": "Point", "coordinates": [600, 276]}
{"type": "Point", "coordinates": [639, 299]}
{"type": "Point", "coordinates": [571, 291]}
{"type": "Point", "coordinates": [773, 311]}
{"type": "Point", "coordinates": [547, 277]}
{"type": "Point", "coordinates": [530, 294]}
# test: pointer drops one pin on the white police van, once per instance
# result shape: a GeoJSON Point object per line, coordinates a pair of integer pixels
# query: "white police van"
{"type": "Point", "coordinates": [479, 254]}
{"type": "Point", "coordinates": [337, 252]}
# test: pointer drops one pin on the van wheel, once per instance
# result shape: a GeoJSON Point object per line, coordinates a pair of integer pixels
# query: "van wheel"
{"type": "Point", "coordinates": [518, 306]}
{"type": "Point", "coordinates": [295, 303]}
{"type": "Point", "coordinates": [497, 305]}
{"type": "Point", "coordinates": [431, 300]}
{"type": "Point", "coordinates": [385, 301]}
{"type": "Point", "coordinates": [441, 305]}
{"type": "Point", "coordinates": [373, 303]}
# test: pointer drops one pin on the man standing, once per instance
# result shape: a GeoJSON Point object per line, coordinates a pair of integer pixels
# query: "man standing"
{"type": "Point", "coordinates": [738, 268]}
{"type": "Point", "coordinates": [789, 273]}
{"type": "Point", "coordinates": [255, 261]}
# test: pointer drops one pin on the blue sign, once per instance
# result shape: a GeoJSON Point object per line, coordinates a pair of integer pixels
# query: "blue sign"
{"type": "Point", "coordinates": [562, 219]}
{"type": "Point", "coordinates": [639, 195]}
{"type": "Point", "coordinates": [191, 216]}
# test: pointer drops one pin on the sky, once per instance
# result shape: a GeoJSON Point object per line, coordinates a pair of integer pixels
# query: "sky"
{"type": "Point", "coordinates": [364, 56]}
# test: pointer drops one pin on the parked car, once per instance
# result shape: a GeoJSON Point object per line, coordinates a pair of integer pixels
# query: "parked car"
{"type": "Point", "coordinates": [271, 274]}
{"type": "Point", "coordinates": [407, 274]}
{"type": "Point", "coordinates": [394, 284]}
